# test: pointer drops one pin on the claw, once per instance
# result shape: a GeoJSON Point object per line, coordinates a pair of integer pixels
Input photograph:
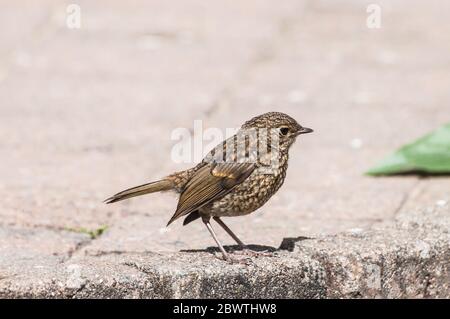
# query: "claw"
{"type": "Point", "coordinates": [243, 261]}
{"type": "Point", "coordinates": [232, 260]}
{"type": "Point", "coordinates": [252, 253]}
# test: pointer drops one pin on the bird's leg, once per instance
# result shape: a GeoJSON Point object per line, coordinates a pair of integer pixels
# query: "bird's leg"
{"type": "Point", "coordinates": [224, 253]}
{"type": "Point", "coordinates": [245, 249]}
{"type": "Point", "coordinates": [228, 230]}
{"type": "Point", "coordinates": [213, 234]}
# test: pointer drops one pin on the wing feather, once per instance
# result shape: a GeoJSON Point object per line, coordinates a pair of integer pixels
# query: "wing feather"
{"type": "Point", "coordinates": [211, 182]}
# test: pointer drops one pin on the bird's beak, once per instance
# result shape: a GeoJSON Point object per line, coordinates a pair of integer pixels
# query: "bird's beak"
{"type": "Point", "coordinates": [304, 130]}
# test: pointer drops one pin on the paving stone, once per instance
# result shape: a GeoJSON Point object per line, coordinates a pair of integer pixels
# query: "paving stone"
{"type": "Point", "coordinates": [88, 112]}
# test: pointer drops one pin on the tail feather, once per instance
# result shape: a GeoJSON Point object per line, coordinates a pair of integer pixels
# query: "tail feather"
{"type": "Point", "coordinates": [162, 185]}
{"type": "Point", "coordinates": [191, 217]}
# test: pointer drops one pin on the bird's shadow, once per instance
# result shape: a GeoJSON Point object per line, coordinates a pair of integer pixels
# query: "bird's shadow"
{"type": "Point", "coordinates": [287, 244]}
{"type": "Point", "coordinates": [231, 249]}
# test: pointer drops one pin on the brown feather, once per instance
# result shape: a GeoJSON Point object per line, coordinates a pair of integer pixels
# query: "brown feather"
{"type": "Point", "coordinates": [191, 217]}
{"type": "Point", "coordinates": [209, 183]}
{"type": "Point", "coordinates": [162, 185]}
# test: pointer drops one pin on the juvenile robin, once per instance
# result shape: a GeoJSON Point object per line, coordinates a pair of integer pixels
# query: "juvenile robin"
{"type": "Point", "coordinates": [236, 177]}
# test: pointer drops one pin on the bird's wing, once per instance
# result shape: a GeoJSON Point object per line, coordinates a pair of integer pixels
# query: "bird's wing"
{"type": "Point", "coordinates": [211, 182]}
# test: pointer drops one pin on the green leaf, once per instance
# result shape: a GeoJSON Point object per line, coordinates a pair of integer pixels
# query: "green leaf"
{"type": "Point", "coordinates": [429, 154]}
{"type": "Point", "coordinates": [93, 233]}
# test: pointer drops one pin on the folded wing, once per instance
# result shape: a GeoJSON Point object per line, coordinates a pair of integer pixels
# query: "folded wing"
{"type": "Point", "coordinates": [210, 183]}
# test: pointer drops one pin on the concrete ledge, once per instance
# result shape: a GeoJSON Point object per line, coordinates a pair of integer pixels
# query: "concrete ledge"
{"type": "Point", "coordinates": [405, 257]}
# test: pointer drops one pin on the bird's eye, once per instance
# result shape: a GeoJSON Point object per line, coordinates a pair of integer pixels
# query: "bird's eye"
{"type": "Point", "coordinates": [284, 130]}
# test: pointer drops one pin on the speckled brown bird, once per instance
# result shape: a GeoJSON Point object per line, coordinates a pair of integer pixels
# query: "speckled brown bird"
{"type": "Point", "coordinates": [236, 178]}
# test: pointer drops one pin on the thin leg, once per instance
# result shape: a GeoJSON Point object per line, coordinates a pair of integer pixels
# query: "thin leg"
{"type": "Point", "coordinates": [228, 230]}
{"type": "Point", "coordinates": [224, 253]}
{"type": "Point", "coordinates": [245, 250]}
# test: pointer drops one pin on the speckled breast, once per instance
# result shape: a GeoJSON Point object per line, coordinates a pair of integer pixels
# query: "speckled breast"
{"type": "Point", "coordinates": [245, 198]}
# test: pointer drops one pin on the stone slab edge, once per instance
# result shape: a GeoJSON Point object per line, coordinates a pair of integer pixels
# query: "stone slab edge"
{"type": "Point", "coordinates": [407, 257]}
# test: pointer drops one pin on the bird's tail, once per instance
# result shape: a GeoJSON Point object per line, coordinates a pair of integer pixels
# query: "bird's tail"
{"type": "Point", "coordinates": [158, 186]}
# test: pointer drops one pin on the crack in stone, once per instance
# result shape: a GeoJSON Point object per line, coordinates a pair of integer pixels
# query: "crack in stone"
{"type": "Point", "coordinates": [66, 256]}
{"type": "Point", "coordinates": [402, 203]}
{"type": "Point", "coordinates": [99, 253]}
{"type": "Point", "coordinates": [34, 226]}
{"type": "Point", "coordinates": [406, 196]}
{"type": "Point", "coordinates": [76, 249]}
{"type": "Point", "coordinates": [79, 246]}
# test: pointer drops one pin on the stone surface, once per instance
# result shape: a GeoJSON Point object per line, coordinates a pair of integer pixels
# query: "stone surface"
{"type": "Point", "coordinates": [403, 258]}
{"type": "Point", "coordinates": [88, 112]}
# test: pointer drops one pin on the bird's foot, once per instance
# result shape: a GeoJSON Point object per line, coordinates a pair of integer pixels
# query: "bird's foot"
{"type": "Point", "coordinates": [233, 260]}
{"type": "Point", "coordinates": [253, 253]}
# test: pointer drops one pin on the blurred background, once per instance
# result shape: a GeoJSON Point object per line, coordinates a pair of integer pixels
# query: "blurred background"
{"type": "Point", "coordinates": [88, 107]}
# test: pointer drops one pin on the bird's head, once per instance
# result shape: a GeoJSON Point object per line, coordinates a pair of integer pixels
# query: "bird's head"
{"type": "Point", "coordinates": [287, 128]}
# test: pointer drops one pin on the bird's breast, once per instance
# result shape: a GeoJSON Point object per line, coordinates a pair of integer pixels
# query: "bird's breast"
{"type": "Point", "coordinates": [251, 194]}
